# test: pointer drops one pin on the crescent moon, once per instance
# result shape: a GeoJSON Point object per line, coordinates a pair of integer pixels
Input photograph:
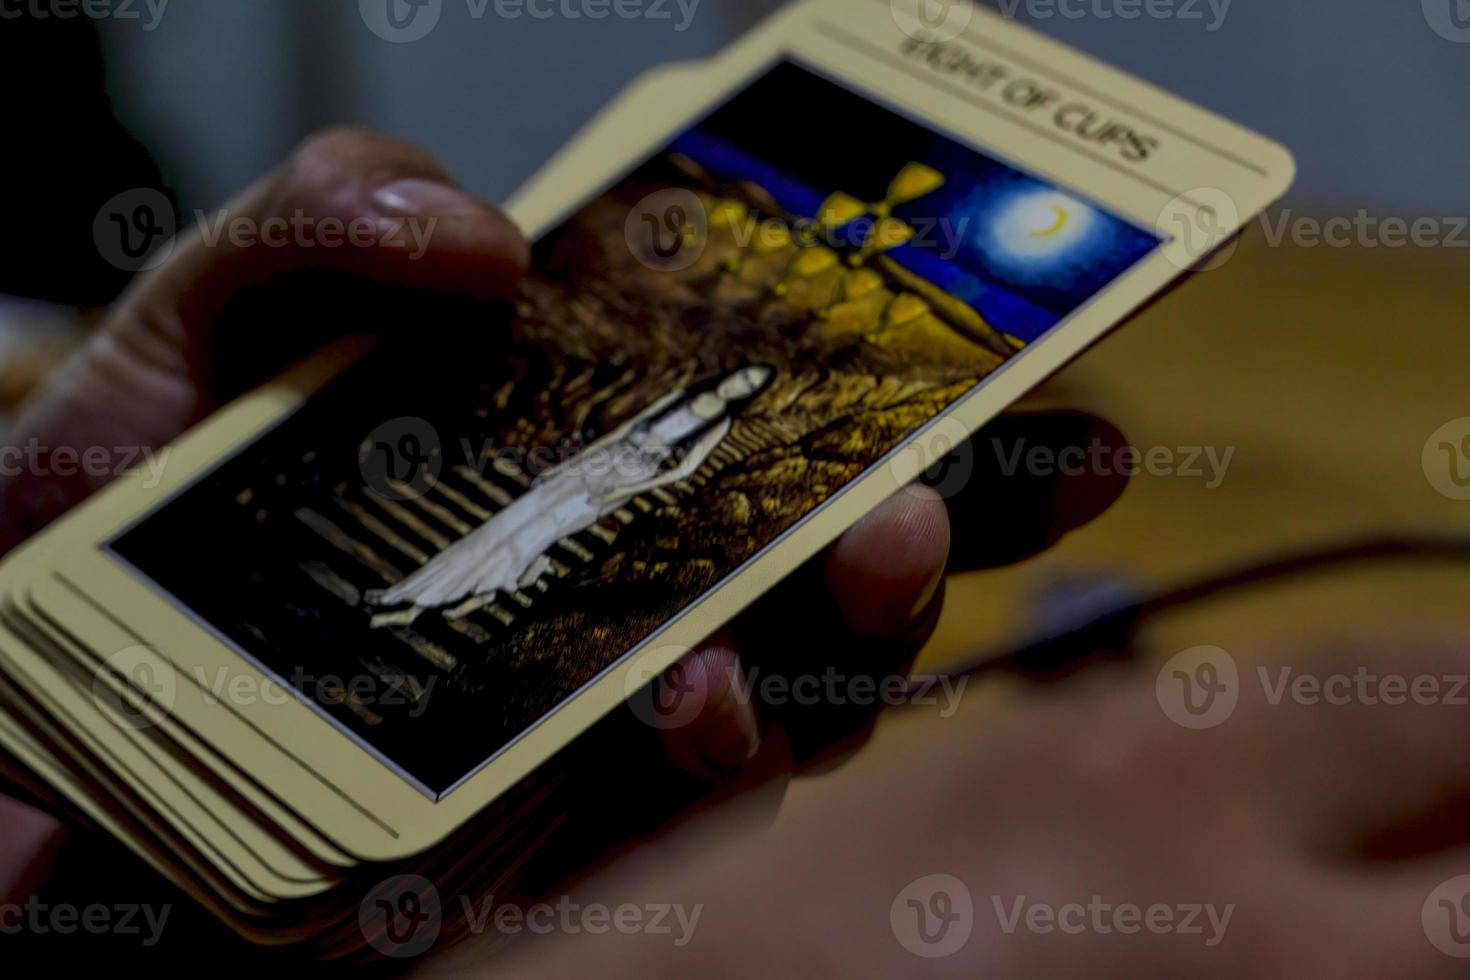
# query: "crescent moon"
{"type": "Point", "coordinates": [1056, 228]}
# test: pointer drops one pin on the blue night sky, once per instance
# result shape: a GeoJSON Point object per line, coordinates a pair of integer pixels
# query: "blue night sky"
{"type": "Point", "coordinates": [1014, 247]}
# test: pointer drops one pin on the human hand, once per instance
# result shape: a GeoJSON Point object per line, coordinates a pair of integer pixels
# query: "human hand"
{"type": "Point", "coordinates": [177, 346]}
{"type": "Point", "coordinates": [1317, 827]}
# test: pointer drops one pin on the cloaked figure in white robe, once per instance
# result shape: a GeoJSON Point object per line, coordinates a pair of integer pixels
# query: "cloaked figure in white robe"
{"type": "Point", "coordinates": [664, 444]}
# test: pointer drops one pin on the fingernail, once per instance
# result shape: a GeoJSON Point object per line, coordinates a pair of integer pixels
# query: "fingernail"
{"type": "Point", "coordinates": [414, 197]}
{"type": "Point", "coordinates": [927, 596]}
{"type": "Point", "coordinates": [728, 746]}
{"type": "Point", "coordinates": [732, 742]}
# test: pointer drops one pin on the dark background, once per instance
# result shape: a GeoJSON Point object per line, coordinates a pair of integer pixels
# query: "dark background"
{"type": "Point", "coordinates": [220, 92]}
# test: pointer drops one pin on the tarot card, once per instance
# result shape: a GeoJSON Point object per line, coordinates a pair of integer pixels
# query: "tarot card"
{"type": "Point", "coordinates": [774, 304]}
{"type": "Point", "coordinates": [69, 614]}
{"type": "Point", "coordinates": [159, 733]}
{"type": "Point", "coordinates": [140, 692]}
{"type": "Point", "coordinates": [640, 112]}
{"type": "Point", "coordinates": [260, 866]}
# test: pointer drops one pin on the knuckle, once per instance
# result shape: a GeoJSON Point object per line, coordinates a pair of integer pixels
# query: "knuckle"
{"type": "Point", "coordinates": [329, 172]}
{"type": "Point", "coordinates": [335, 145]}
{"type": "Point", "coordinates": [328, 157]}
{"type": "Point", "coordinates": [351, 155]}
{"type": "Point", "coordinates": [319, 174]}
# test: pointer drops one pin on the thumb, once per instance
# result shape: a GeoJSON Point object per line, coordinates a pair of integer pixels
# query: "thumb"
{"type": "Point", "coordinates": [307, 254]}
{"type": "Point", "coordinates": [347, 201]}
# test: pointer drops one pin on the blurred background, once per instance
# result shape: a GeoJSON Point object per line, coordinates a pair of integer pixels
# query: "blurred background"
{"type": "Point", "coordinates": [1324, 369]}
{"type": "Point", "coordinates": [1373, 101]}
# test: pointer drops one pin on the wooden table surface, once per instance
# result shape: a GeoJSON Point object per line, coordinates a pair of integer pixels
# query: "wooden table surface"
{"type": "Point", "coordinates": [1327, 370]}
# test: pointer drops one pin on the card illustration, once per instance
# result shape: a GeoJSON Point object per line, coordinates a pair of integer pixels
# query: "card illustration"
{"type": "Point", "coordinates": [463, 530]}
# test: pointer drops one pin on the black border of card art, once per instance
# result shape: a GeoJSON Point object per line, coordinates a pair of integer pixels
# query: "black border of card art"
{"type": "Point", "coordinates": [280, 548]}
